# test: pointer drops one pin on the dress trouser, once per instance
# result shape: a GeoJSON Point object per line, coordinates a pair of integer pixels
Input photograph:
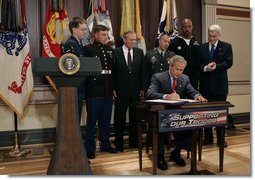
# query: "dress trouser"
{"type": "Point", "coordinates": [81, 97]}
{"type": "Point", "coordinates": [208, 132]}
{"type": "Point", "coordinates": [121, 106]}
{"type": "Point", "coordinates": [182, 139]}
{"type": "Point", "coordinates": [98, 110]}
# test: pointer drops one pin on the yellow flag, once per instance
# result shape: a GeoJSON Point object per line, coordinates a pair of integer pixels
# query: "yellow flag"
{"type": "Point", "coordinates": [127, 17]}
{"type": "Point", "coordinates": [168, 18]}
{"type": "Point", "coordinates": [138, 21]}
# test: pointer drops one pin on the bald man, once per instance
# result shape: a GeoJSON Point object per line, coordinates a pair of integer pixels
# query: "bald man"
{"type": "Point", "coordinates": [187, 46]}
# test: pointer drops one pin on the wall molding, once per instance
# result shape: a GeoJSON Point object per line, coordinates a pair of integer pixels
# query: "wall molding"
{"type": "Point", "coordinates": [47, 135]}
{"type": "Point", "coordinates": [235, 3]}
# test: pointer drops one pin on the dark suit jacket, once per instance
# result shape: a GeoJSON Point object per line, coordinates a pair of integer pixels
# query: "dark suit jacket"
{"type": "Point", "coordinates": [72, 45]}
{"type": "Point", "coordinates": [125, 84]}
{"type": "Point", "coordinates": [161, 85]}
{"type": "Point", "coordinates": [215, 82]}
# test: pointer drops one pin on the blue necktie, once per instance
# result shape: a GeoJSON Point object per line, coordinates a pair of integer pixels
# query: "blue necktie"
{"type": "Point", "coordinates": [212, 51]}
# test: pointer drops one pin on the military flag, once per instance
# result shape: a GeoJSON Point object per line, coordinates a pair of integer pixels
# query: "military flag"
{"type": "Point", "coordinates": [127, 16]}
{"type": "Point", "coordinates": [16, 84]}
{"type": "Point", "coordinates": [138, 28]}
{"type": "Point", "coordinates": [98, 14]}
{"type": "Point", "coordinates": [168, 21]}
{"type": "Point", "coordinates": [131, 21]}
{"type": "Point", "coordinates": [55, 31]}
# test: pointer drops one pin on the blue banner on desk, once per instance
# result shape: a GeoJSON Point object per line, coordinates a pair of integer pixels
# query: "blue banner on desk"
{"type": "Point", "coordinates": [175, 120]}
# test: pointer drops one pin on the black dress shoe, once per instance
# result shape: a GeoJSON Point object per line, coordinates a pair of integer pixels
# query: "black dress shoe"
{"type": "Point", "coordinates": [231, 126]}
{"type": "Point", "coordinates": [162, 164]}
{"type": "Point", "coordinates": [172, 143]}
{"type": "Point", "coordinates": [120, 149]}
{"type": "Point", "coordinates": [207, 142]}
{"type": "Point", "coordinates": [110, 150]}
{"type": "Point", "coordinates": [177, 159]}
{"type": "Point", "coordinates": [225, 144]}
{"type": "Point", "coordinates": [133, 145]}
{"type": "Point", "coordinates": [91, 155]}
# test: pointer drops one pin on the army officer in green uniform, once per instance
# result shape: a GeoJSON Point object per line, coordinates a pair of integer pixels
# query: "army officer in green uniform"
{"type": "Point", "coordinates": [156, 59]}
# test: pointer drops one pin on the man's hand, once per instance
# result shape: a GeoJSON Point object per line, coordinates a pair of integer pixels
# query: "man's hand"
{"type": "Point", "coordinates": [141, 95]}
{"type": "Point", "coordinates": [200, 99]}
{"type": "Point", "coordinates": [172, 96]}
{"type": "Point", "coordinates": [211, 66]}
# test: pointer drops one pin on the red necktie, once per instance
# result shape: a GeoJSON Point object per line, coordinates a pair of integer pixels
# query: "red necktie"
{"type": "Point", "coordinates": [174, 84]}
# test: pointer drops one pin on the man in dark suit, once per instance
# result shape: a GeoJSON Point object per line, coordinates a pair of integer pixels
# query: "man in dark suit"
{"type": "Point", "coordinates": [187, 46]}
{"type": "Point", "coordinates": [216, 57]}
{"type": "Point", "coordinates": [172, 85]}
{"type": "Point", "coordinates": [99, 93]}
{"type": "Point", "coordinates": [128, 87]}
{"type": "Point", "coordinates": [78, 29]}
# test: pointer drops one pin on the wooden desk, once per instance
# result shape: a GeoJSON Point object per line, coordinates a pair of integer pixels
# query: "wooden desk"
{"type": "Point", "coordinates": [149, 112]}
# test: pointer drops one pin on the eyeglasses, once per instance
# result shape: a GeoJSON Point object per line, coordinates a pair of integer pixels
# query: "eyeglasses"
{"type": "Point", "coordinates": [82, 29]}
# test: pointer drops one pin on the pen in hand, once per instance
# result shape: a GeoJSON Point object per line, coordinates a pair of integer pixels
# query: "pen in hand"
{"type": "Point", "coordinates": [173, 95]}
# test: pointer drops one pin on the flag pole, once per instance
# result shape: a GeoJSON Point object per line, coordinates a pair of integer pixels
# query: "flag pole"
{"type": "Point", "coordinates": [16, 151]}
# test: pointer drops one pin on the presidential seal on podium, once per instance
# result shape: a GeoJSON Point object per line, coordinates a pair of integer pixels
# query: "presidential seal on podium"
{"type": "Point", "coordinates": [69, 64]}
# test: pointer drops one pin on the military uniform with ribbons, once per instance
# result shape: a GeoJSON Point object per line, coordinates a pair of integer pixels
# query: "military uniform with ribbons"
{"type": "Point", "coordinates": [156, 61]}
{"type": "Point", "coordinates": [99, 92]}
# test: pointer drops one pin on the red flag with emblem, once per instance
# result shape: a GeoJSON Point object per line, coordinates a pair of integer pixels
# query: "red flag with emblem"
{"type": "Point", "coordinates": [55, 32]}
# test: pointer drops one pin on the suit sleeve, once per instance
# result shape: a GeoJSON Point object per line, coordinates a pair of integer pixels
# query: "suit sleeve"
{"type": "Point", "coordinates": [154, 89]}
{"type": "Point", "coordinates": [71, 47]}
{"type": "Point", "coordinates": [227, 61]}
{"type": "Point", "coordinates": [141, 70]}
{"type": "Point", "coordinates": [190, 90]}
{"type": "Point", "coordinates": [86, 51]}
{"type": "Point", "coordinates": [200, 65]}
{"type": "Point", "coordinates": [145, 73]}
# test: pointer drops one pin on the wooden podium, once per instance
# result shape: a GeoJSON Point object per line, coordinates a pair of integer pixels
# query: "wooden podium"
{"type": "Point", "coordinates": [69, 155]}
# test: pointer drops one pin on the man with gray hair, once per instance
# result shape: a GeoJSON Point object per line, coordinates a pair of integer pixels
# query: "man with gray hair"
{"type": "Point", "coordinates": [128, 78]}
{"type": "Point", "coordinates": [172, 85]}
{"type": "Point", "coordinates": [215, 58]}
